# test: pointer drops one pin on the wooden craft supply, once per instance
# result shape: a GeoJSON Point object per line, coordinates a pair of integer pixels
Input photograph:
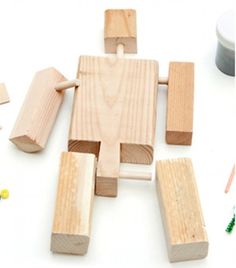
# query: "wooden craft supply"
{"type": "Point", "coordinates": [182, 217]}
{"type": "Point", "coordinates": [39, 111]}
{"type": "Point", "coordinates": [4, 98]}
{"type": "Point", "coordinates": [114, 115]}
{"type": "Point", "coordinates": [143, 176]}
{"type": "Point", "coordinates": [179, 124]}
{"type": "Point", "coordinates": [163, 81]}
{"type": "Point", "coordinates": [230, 180]}
{"type": "Point", "coordinates": [120, 28]}
{"type": "Point", "coordinates": [67, 84]}
{"type": "Point", "coordinates": [74, 205]}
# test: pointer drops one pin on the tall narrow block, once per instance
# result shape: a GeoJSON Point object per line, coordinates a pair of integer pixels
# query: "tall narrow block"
{"type": "Point", "coordinates": [179, 126]}
{"type": "Point", "coordinates": [120, 28]}
{"type": "Point", "coordinates": [39, 112]}
{"type": "Point", "coordinates": [182, 217]}
{"type": "Point", "coordinates": [72, 220]}
{"type": "Point", "coordinates": [114, 115]}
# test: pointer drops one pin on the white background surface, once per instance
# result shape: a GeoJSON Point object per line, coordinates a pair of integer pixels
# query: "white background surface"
{"type": "Point", "coordinates": [126, 231]}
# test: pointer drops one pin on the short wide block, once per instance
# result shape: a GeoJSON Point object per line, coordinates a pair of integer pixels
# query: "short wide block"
{"type": "Point", "coordinates": [120, 28]}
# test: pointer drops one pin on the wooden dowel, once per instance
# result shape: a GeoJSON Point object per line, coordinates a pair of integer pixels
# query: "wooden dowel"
{"type": "Point", "coordinates": [120, 50]}
{"type": "Point", "coordinates": [130, 175]}
{"type": "Point", "coordinates": [230, 180]}
{"type": "Point", "coordinates": [67, 84]}
{"type": "Point", "coordinates": [163, 81]}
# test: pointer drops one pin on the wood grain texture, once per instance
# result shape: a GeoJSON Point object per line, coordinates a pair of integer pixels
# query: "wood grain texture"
{"type": "Point", "coordinates": [114, 114]}
{"type": "Point", "coordinates": [120, 28]}
{"type": "Point", "coordinates": [39, 112]}
{"type": "Point", "coordinates": [4, 98]}
{"type": "Point", "coordinates": [182, 217]}
{"type": "Point", "coordinates": [179, 125]}
{"type": "Point", "coordinates": [74, 204]}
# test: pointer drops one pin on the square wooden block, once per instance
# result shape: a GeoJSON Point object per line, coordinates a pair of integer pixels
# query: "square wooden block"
{"type": "Point", "coordinates": [120, 28]}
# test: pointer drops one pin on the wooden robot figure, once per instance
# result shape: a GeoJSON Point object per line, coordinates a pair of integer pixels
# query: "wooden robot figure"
{"type": "Point", "coordinates": [114, 121]}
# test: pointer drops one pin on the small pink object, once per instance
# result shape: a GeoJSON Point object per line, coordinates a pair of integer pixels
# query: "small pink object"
{"type": "Point", "coordinates": [231, 177]}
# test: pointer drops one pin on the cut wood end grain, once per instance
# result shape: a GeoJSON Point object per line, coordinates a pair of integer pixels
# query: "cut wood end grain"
{"type": "Point", "coordinates": [4, 97]}
{"type": "Point", "coordinates": [69, 244]}
{"type": "Point", "coordinates": [26, 144]}
{"type": "Point", "coordinates": [188, 251]}
{"type": "Point", "coordinates": [120, 28]}
{"type": "Point", "coordinates": [178, 137]}
{"type": "Point", "coordinates": [106, 186]}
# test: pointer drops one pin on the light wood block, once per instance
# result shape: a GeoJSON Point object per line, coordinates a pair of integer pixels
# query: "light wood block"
{"type": "Point", "coordinates": [39, 112]}
{"type": "Point", "coordinates": [4, 98]}
{"type": "Point", "coordinates": [179, 125]}
{"type": "Point", "coordinates": [120, 28]}
{"type": "Point", "coordinates": [114, 115]}
{"type": "Point", "coordinates": [182, 217]}
{"type": "Point", "coordinates": [74, 204]}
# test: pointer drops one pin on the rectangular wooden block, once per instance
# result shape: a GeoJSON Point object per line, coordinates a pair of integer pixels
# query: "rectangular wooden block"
{"type": "Point", "coordinates": [179, 126]}
{"type": "Point", "coordinates": [120, 28]}
{"type": "Point", "coordinates": [114, 115]}
{"type": "Point", "coordinates": [4, 98]}
{"type": "Point", "coordinates": [182, 217]}
{"type": "Point", "coordinates": [38, 112]}
{"type": "Point", "coordinates": [72, 220]}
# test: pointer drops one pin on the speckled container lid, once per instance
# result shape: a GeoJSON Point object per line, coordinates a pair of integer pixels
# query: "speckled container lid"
{"type": "Point", "coordinates": [225, 54]}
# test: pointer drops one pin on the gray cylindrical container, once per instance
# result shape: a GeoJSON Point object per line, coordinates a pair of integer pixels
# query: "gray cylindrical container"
{"type": "Point", "coordinates": [225, 53]}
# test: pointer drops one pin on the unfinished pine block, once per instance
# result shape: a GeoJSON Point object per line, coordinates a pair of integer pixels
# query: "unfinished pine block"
{"type": "Point", "coordinates": [182, 217]}
{"type": "Point", "coordinates": [4, 98]}
{"type": "Point", "coordinates": [74, 204]}
{"type": "Point", "coordinates": [120, 28]}
{"type": "Point", "coordinates": [114, 115]}
{"type": "Point", "coordinates": [179, 126]}
{"type": "Point", "coordinates": [39, 111]}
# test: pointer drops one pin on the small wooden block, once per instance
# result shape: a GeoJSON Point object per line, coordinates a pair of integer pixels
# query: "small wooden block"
{"type": "Point", "coordinates": [108, 170]}
{"type": "Point", "coordinates": [39, 112]}
{"type": "Point", "coordinates": [120, 28]}
{"type": "Point", "coordinates": [179, 125]}
{"type": "Point", "coordinates": [114, 115]}
{"type": "Point", "coordinates": [182, 217]}
{"type": "Point", "coordinates": [72, 220]}
{"type": "Point", "coordinates": [4, 98]}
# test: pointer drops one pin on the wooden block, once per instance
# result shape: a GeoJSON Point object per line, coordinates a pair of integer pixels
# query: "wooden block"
{"type": "Point", "coordinates": [39, 111]}
{"type": "Point", "coordinates": [74, 204]}
{"type": "Point", "coordinates": [114, 115]}
{"type": "Point", "coordinates": [179, 126]}
{"type": "Point", "coordinates": [108, 169]}
{"type": "Point", "coordinates": [182, 217]}
{"type": "Point", "coordinates": [4, 98]}
{"type": "Point", "coordinates": [120, 28]}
